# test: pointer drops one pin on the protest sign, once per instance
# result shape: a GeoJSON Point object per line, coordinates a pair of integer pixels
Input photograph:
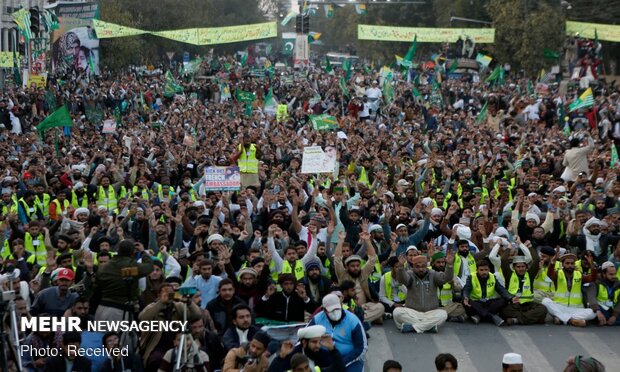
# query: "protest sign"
{"type": "Point", "coordinates": [315, 160]}
{"type": "Point", "coordinates": [222, 179]}
{"type": "Point", "coordinates": [109, 126]}
{"type": "Point", "coordinates": [424, 34]}
{"type": "Point", "coordinates": [323, 122]}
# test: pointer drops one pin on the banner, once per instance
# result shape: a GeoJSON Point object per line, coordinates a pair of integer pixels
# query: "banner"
{"type": "Point", "coordinates": [106, 30]}
{"type": "Point", "coordinates": [222, 179]}
{"type": "Point", "coordinates": [425, 34]}
{"type": "Point", "coordinates": [323, 122]}
{"type": "Point", "coordinates": [38, 80]}
{"type": "Point", "coordinates": [6, 60]}
{"type": "Point", "coordinates": [75, 45]}
{"type": "Point", "coordinates": [587, 30]}
{"type": "Point", "coordinates": [315, 160]}
{"type": "Point", "coordinates": [109, 126]}
{"type": "Point", "coordinates": [195, 36]}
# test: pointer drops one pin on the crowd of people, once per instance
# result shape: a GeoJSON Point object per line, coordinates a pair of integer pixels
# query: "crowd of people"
{"type": "Point", "coordinates": [469, 202]}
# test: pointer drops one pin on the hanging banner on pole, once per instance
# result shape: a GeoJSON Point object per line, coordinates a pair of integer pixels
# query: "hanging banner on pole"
{"type": "Point", "coordinates": [75, 46]}
{"type": "Point", "coordinates": [588, 30]}
{"type": "Point", "coordinates": [106, 30]}
{"type": "Point", "coordinates": [425, 34]}
{"type": "Point", "coordinates": [301, 50]}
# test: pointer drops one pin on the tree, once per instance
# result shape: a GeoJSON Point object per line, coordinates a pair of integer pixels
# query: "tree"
{"type": "Point", "coordinates": [523, 30]}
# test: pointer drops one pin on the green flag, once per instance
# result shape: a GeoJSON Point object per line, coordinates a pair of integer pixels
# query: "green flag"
{"type": "Point", "coordinates": [453, 67]}
{"type": "Point", "coordinates": [170, 86]}
{"type": "Point", "coordinates": [59, 118]}
{"type": "Point", "coordinates": [346, 66]}
{"type": "Point", "coordinates": [388, 90]}
{"type": "Point", "coordinates": [288, 18]}
{"type": "Point", "coordinates": [329, 10]}
{"type": "Point", "coordinates": [494, 75]}
{"type": "Point", "coordinates": [244, 59]}
{"type": "Point", "coordinates": [323, 122]}
{"type": "Point", "coordinates": [416, 93]}
{"type": "Point", "coordinates": [566, 130]}
{"type": "Point", "coordinates": [270, 104]}
{"type": "Point", "coordinates": [614, 157]}
{"type": "Point", "coordinates": [367, 70]}
{"type": "Point", "coordinates": [117, 115]}
{"type": "Point", "coordinates": [50, 100]}
{"type": "Point", "coordinates": [412, 50]}
{"type": "Point", "coordinates": [550, 54]}
{"type": "Point", "coordinates": [22, 19]}
{"type": "Point", "coordinates": [585, 100]}
{"type": "Point", "coordinates": [328, 66]}
{"type": "Point", "coordinates": [343, 87]}
{"type": "Point", "coordinates": [483, 113]}
{"type": "Point", "coordinates": [244, 96]}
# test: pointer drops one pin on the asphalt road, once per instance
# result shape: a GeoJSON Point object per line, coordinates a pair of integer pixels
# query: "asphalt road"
{"type": "Point", "coordinates": [479, 348]}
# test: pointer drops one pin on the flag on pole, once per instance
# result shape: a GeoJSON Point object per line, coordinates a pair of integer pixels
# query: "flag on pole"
{"type": "Point", "coordinates": [494, 75]}
{"type": "Point", "coordinates": [566, 130]}
{"type": "Point", "coordinates": [412, 50]}
{"type": "Point", "coordinates": [170, 86]}
{"type": "Point", "coordinates": [244, 96]}
{"type": "Point", "coordinates": [244, 59]}
{"type": "Point", "coordinates": [22, 19]}
{"type": "Point", "coordinates": [585, 100]}
{"type": "Point", "coordinates": [288, 18]}
{"type": "Point", "coordinates": [59, 118]}
{"type": "Point", "coordinates": [416, 93]}
{"type": "Point", "coordinates": [388, 90]}
{"type": "Point", "coordinates": [453, 66]}
{"type": "Point", "coordinates": [483, 113]}
{"type": "Point", "coordinates": [483, 59]}
{"type": "Point", "coordinates": [346, 66]}
{"type": "Point", "coordinates": [343, 87]}
{"type": "Point", "coordinates": [360, 9]}
{"type": "Point", "coordinates": [328, 66]}
{"type": "Point", "coordinates": [614, 156]}
{"type": "Point", "coordinates": [270, 104]}
{"type": "Point", "coordinates": [50, 21]}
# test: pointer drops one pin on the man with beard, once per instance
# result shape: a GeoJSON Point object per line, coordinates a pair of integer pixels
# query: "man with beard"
{"type": "Point", "coordinates": [250, 285]}
{"type": "Point", "coordinates": [252, 357]}
{"type": "Point", "coordinates": [590, 238]}
{"type": "Point", "coordinates": [484, 296]}
{"type": "Point", "coordinates": [221, 306]}
{"type": "Point", "coordinates": [352, 270]}
{"type": "Point", "coordinates": [56, 300]}
{"type": "Point", "coordinates": [347, 331]}
{"type": "Point", "coordinates": [317, 286]}
{"type": "Point", "coordinates": [421, 312]}
{"type": "Point", "coordinates": [318, 347]}
{"type": "Point", "coordinates": [291, 264]}
{"type": "Point", "coordinates": [405, 240]}
{"type": "Point", "coordinates": [287, 305]}
{"type": "Point", "coordinates": [79, 198]}
{"type": "Point", "coordinates": [519, 279]}
{"type": "Point", "coordinates": [80, 309]}
{"type": "Point", "coordinates": [206, 282]}
{"type": "Point", "coordinates": [455, 310]}
{"type": "Point", "coordinates": [567, 304]}
{"type": "Point", "coordinates": [543, 285]}
{"type": "Point", "coordinates": [603, 296]}
{"type": "Point", "coordinates": [242, 330]}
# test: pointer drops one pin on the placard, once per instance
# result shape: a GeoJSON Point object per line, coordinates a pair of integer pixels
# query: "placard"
{"type": "Point", "coordinates": [315, 160]}
{"type": "Point", "coordinates": [222, 178]}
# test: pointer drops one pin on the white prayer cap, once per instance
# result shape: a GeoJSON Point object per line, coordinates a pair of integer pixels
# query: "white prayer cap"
{"type": "Point", "coordinates": [309, 332]}
{"type": "Point", "coordinates": [512, 358]}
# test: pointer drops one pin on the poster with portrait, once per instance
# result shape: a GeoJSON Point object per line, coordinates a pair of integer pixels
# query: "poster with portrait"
{"type": "Point", "coordinates": [75, 46]}
{"type": "Point", "coordinates": [315, 160]}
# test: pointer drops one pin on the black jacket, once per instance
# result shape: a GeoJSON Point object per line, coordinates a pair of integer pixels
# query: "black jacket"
{"type": "Point", "coordinates": [221, 312]}
{"type": "Point", "coordinates": [328, 361]}
{"type": "Point", "coordinates": [285, 309]}
{"type": "Point", "coordinates": [231, 337]}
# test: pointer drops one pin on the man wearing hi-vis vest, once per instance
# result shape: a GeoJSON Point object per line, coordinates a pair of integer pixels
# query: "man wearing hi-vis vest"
{"type": "Point", "coordinates": [604, 296]}
{"type": "Point", "coordinates": [290, 264]}
{"type": "Point", "coordinates": [247, 156]}
{"type": "Point", "coordinates": [567, 304]}
{"type": "Point", "coordinates": [392, 294]}
{"type": "Point", "coordinates": [484, 296]}
{"type": "Point", "coordinates": [34, 243]}
{"type": "Point", "coordinates": [519, 280]}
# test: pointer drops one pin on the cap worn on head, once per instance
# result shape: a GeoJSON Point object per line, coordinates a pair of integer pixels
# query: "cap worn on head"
{"type": "Point", "coordinates": [331, 302]}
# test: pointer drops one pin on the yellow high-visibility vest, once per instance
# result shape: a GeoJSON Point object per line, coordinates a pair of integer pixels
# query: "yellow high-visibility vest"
{"type": "Point", "coordinates": [563, 296]}
{"type": "Point", "coordinates": [513, 288]}
{"type": "Point", "coordinates": [387, 281]}
{"type": "Point", "coordinates": [476, 288]}
{"type": "Point", "coordinates": [247, 161]}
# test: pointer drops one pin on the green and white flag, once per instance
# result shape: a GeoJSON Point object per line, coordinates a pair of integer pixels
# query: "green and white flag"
{"type": "Point", "coordinates": [170, 86]}
{"type": "Point", "coordinates": [270, 104]}
{"type": "Point", "coordinates": [323, 122]}
{"type": "Point", "coordinates": [346, 66]}
{"type": "Point", "coordinates": [388, 90]}
{"type": "Point", "coordinates": [59, 118]}
{"type": "Point", "coordinates": [328, 66]}
{"type": "Point", "coordinates": [244, 96]}
{"type": "Point", "coordinates": [50, 21]}
{"type": "Point", "coordinates": [614, 157]}
{"type": "Point", "coordinates": [343, 87]}
{"type": "Point", "coordinates": [483, 59]}
{"type": "Point", "coordinates": [411, 52]}
{"type": "Point", "coordinates": [482, 116]}
{"type": "Point", "coordinates": [288, 18]}
{"type": "Point", "coordinates": [22, 19]}
{"type": "Point", "coordinates": [495, 75]}
{"type": "Point", "coordinates": [585, 100]}
{"type": "Point", "coordinates": [329, 10]}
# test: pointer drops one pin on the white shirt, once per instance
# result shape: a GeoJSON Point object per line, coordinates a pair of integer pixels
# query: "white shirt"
{"type": "Point", "coordinates": [373, 92]}
{"type": "Point", "coordinates": [243, 335]}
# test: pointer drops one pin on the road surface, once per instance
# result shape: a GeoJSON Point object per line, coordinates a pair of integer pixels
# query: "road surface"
{"type": "Point", "coordinates": [479, 348]}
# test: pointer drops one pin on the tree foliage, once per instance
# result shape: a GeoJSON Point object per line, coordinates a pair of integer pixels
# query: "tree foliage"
{"type": "Point", "coordinates": [522, 32]}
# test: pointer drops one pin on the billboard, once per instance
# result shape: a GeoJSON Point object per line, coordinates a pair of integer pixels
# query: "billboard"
{"type": "Point", "coordinates": [75, 46]}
